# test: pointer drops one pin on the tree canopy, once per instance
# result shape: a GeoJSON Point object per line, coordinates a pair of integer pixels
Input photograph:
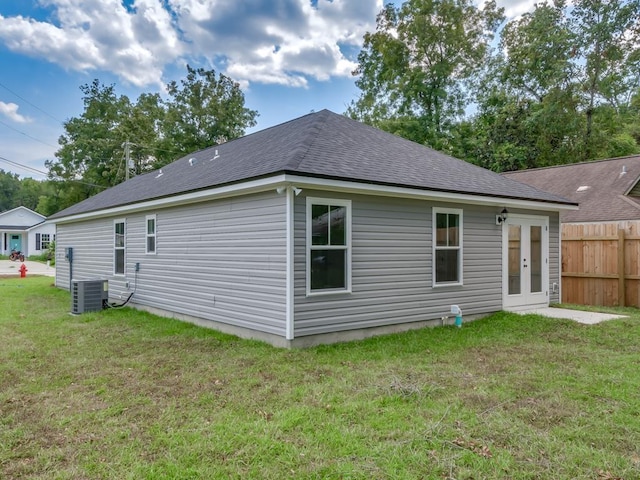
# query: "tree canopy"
{"type": "Point", "coordinates": [200, 111]}
{"type": "Point", "coordinates": [414, 69]}
{"type": "Point", "coordinates": [562, 85]}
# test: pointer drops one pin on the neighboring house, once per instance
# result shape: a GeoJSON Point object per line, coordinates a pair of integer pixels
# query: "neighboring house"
{"type": "Point", "coordinates": [24, 230]}
{"type": "Point", "coordinates": [606, 190]}
{"type": "Point", "coordinates": [317, 230]}
{"type": "Point", "coordinates": [600, 241]}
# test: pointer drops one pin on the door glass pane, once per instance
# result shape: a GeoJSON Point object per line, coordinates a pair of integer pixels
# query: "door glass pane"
{"type": "Point", "coordinates": [536, 259]}
{"type": "Point", "coordinates": [514, 259]}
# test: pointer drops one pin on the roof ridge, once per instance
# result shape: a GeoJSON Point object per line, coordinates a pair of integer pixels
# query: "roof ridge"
{"type": "Point", "coordinates": [586, 162]}
{"type": "Point", "coordinates": [298, 154]}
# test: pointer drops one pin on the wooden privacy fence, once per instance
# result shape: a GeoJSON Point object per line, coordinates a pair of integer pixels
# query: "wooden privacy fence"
{"type": "Point", "coordinates": [600, 264]}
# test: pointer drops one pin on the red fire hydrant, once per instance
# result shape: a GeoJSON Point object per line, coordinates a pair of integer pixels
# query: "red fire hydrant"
{"type": "Point", "coordinates": [23, 270]}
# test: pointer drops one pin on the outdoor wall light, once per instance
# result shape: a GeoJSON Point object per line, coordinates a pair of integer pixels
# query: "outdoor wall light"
{"type": "Point", "coordinates": [500, 219]}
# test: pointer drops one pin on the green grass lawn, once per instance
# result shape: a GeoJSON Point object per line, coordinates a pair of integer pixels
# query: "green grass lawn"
{"type": "Point", "coordinates": [127, 395]}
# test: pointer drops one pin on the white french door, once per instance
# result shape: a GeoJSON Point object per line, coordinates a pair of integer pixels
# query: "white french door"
{"type": "Point", "coordinates": [525, 271]}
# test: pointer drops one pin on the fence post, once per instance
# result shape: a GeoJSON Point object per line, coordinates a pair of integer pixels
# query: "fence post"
{"type": "Point", "coordinates": [621, 272]}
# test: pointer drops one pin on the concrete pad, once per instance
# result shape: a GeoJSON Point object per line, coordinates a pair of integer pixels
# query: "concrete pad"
{"type": "Point", "coordinates": [10, 269]}
{"type": "Point", "coordinates": [588, 318]}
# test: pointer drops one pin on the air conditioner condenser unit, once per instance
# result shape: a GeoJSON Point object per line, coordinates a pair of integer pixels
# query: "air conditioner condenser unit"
{"type": "Point", "coordinates": [89, 295]}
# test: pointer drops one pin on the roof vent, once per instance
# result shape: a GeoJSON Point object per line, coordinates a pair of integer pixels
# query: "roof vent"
{"type": "Point", "coordinates": [159, 174]}
{"type": "Point", "coordinates": [192, 161]}
{"type": "Point", "coordinates": [624, 171]}
{"type": "Point", "coordinates": [216, 155]}
{"type": "Point", "coordinates": [583, 188]}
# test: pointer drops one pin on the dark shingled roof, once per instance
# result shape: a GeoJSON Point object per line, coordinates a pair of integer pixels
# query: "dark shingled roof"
{"type": "Point", "coordinates": [322, 144]}
{"type": "Point", "coordinates": [599, 187]}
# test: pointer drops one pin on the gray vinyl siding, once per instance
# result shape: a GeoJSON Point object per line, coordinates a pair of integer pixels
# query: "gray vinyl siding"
{"type": "Point", "coordinates": [392, 267]}
{"type": "Point", "coordinates": [223, 260]}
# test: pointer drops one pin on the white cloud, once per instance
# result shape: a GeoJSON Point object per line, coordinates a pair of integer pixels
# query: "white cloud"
{"type": "Point", "coordinates": [280, 41]}
{"type": "Point", "coordinates": [513, 8]}
{"type": "Point", "coordinates": [10, 110]}
{"type": "Point", "coordinates": [99, 34]}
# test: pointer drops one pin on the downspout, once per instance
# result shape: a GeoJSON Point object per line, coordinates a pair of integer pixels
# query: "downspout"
{"type": "Point", "coordinates": [289, 200]}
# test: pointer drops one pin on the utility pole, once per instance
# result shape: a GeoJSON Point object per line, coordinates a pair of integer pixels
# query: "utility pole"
{"type": "Point", "coordinates": [127, 159]}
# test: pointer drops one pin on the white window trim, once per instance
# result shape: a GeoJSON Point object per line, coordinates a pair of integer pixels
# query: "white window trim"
{"type": "Point", "coordinates": [457, 211]}
{"type": "Point", "coordinates": [154, 235]}
{"type": "Point", "coordinates": [338, 203]}
{"type": "Point", "coordinates": [123, 248]}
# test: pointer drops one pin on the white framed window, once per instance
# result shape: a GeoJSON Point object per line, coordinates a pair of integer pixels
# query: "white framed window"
{"type": "Point", "coordinates": [328, 246]}
{"type": "Point", "coordinates": [119, 245]}
{"type": "Point", "coordinates": [151, 234]}
{"type": "Point", "coordinates": [447, 246]}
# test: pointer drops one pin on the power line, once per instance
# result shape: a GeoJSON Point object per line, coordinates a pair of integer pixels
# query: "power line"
{"type": "Point", "coordinates": [27, 135]}
{"type": "Point", "coordinates": [24, 167]}
{"type": "Point", "coordinates": [56, 177]}
{"type": "Point", "coordinates": [27, 101]}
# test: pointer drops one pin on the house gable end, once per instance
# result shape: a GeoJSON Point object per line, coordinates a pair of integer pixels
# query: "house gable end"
{"type": "Point", "coordinates": [21, 217]}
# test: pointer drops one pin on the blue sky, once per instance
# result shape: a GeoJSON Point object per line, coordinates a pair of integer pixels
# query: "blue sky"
{"type": "Point", "coordinates": [290, 57]}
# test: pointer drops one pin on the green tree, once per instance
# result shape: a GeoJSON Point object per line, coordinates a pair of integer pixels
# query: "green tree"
{"type": "Point", "coordinates": [608, 43]}
{"type": "Point", "coordinates": [91, 147]}
{"type": "Point", "coordinates": [415, 69]}
{"type": "Point", "coordinates": [29, 192]}
{"type": "Point", "coordinates": [201, 111]}
{"type": "Point", "coordinates": [204, 110]}
{"type": "Point", "coordinates": [536, 106]}
{"type": "Point", "coordinates": [9, 186]}
{"type": "Point", "coordinates": [528, 106]}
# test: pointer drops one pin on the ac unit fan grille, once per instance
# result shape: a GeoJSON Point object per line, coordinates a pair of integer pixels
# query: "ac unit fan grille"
{"type": "Point", "coordinates": [88, 295]}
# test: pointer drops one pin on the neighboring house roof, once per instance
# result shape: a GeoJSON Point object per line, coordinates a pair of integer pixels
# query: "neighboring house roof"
{"type": "Point", "coordinates": [13, 227]}
{"type": "Point", "coordinates": [320, 145]}
{"type": "Point", "coordinates": [20, 218]}
{"type": "Point", "coordinates": [606, 190]}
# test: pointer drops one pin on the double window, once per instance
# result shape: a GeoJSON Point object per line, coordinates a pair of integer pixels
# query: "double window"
{"type": "Point", "coordinates": [43, 240]}
{"type": "Point", "coordinates": [328, 245]}
{"type": "Point", "coordinates": [119, 243]}
{"type": "Point", "coordinates": [447, 246]}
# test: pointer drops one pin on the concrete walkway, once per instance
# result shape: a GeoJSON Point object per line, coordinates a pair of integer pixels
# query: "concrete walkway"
{"type": "Point", "coordinates": [588, 318]}
{"type": "Point", "coordinates": [11, 269]}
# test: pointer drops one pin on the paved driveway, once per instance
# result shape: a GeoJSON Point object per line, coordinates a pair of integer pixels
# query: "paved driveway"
{"type": "Point", "coordinates": [9, 268]}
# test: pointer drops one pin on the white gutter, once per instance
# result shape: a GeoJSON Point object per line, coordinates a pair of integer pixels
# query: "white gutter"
{"type": "Point", "coordinates": [243, 188]}
{"type": "Point", "coordinates": [267, 183]}
{"type": "Point", "coordinates": [416, 193]}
